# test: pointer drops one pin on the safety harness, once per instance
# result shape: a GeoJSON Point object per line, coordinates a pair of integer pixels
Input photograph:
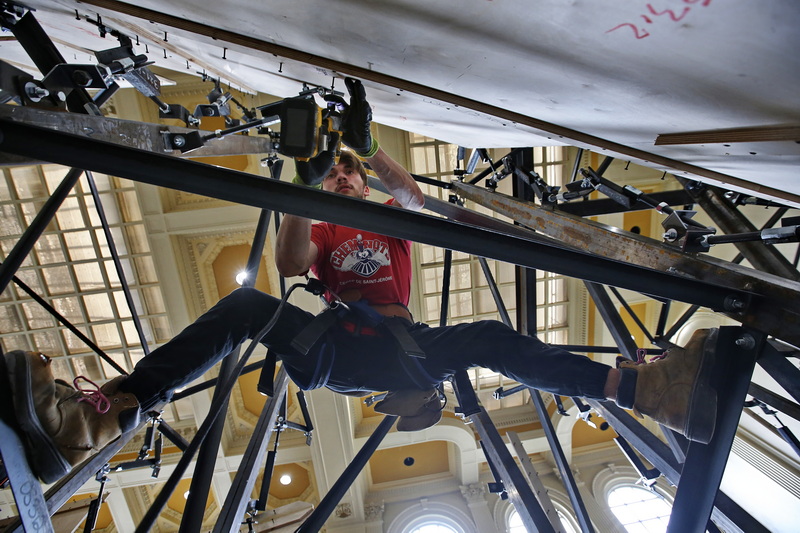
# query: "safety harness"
{"type": "Point", "coordinates": [358, 318]}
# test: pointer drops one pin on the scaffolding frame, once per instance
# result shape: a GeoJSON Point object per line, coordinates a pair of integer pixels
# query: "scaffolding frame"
{"type": "Point", "coordinates": [698, 498]}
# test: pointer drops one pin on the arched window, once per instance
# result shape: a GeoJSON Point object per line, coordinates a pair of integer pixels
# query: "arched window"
{"type": "Point", "coordinates": [432, 517]}
{"type": "Point", "coordinates": [515, 524]}
{"type": "Point", "coordinates": [639, 510]}
{"type": "Point", "coordinates": [433, 526]}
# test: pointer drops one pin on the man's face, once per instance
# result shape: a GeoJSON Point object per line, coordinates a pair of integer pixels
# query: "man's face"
{"type": "Point", "coordinates": [343, 179]}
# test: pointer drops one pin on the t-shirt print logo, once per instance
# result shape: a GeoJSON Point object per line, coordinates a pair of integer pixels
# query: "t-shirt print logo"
{"type": "Point", "coordinates": [364, 257]}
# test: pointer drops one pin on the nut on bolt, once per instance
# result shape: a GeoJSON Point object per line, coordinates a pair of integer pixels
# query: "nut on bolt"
{"type": "Point", "coordinates": [35, 92]}
{"type": "Point", "coordinates": [81, 78]}
{"type": "Point", "coordinates": [734, 303]}
{"type": "Point", "coordinates": [746, 342]}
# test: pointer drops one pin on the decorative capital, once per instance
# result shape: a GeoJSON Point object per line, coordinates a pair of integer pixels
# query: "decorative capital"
{"type": "Point", "coordinates": [344, 510]}
{"type": "Point", "coordinates": [476, 492]}
{"type": "Point", "coordinates": [373, 511]}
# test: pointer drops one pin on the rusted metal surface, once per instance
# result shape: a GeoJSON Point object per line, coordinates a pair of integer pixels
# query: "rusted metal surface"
{"type": "Point", "coordinates": [141, 135]}
{"type": "Point", "coordinates": [777, 313]}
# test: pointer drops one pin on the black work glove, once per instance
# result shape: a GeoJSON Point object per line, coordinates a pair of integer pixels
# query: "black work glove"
{"type": "Point", "coordinates": [357, 119]}
{"type": "Point", "coordinates": [312, 172]}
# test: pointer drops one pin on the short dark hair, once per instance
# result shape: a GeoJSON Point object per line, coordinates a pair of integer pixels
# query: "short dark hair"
{"type": "Point", "coordinates": [349, 159]}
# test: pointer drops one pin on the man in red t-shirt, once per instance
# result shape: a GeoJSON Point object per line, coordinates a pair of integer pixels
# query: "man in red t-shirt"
{"type": "Point", "coordinates": [367, 349]}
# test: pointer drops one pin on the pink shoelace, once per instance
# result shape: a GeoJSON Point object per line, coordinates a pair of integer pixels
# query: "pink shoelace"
{"type": "Point", "coordinates": [94, 396]}
{"type": "Point", "coordinates": [641, 353]}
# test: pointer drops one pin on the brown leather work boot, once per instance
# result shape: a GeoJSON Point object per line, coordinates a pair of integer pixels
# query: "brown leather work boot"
{"type": "Point", "coordinates": [675, 391]}
{"type": "Point", "coordinates": [417, 409]}
{"type": "Point", "coordinates": [64, 426]}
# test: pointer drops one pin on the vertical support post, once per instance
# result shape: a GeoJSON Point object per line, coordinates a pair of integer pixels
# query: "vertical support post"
{"type": "Point", "coordinates": [232, 513]}
{"type": "Point", "coordinates": [735, 358]}
{"type": "Point", "coordinates": [517, 488]}
{"type": "Point", "coordinates": [561, 460]}
{"type": "Point", "coordinates": [207, 457]}
{"type": "Point", "coordinates": [533, 477]}
{"type": "Point", "coordinates": [318, 517]}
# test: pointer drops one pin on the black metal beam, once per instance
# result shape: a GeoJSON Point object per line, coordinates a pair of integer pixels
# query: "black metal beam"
{"type": "Point", "coordinates": [25, 244]}
{"type": "Point", "coordinates": [112, 248]}
{"type": "Point", "coordinates": [776, 312]}
{"type": "Point", "coordinates": [731, 221]}
{"type": "Point", "coordinates": [781, 370]}
{"type": "Point", "coordinates": [318, 517]}
{"type": "Point", "coordinates": [251, 190]}
{"type": "Point", "coordinates": [192, 520]}
{"type": "Point", "coordinates": [232, 513]}
{"type": "Point", "coordinates": [736, 351]}
{"type": "Point", "coordinates": [561, 461]}
{"type": "Point", "coordinates": [519, 492]}
{"type": "Point", "coordinates": [777, 401]}
{"type": "Point", "coordinates": [612, 319]}
{"type": "Point", "coordinates": [591, 208]}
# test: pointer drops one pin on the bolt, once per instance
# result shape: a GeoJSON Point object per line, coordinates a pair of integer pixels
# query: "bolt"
{"type": "Point", "coordinates": [178, 141]}
{"type": "Point", "coordinates": [81, 78]}
{"type": "Point", "coordinates": [35, 92]}
{"type": "Point", "coordinates": [746, 342]}
{"type": "Point", "coordinates": [671, 235]}
{"type": "Point", "coordinates": [61, 96]}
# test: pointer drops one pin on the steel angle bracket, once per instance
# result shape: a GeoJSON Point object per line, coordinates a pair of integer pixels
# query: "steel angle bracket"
{"type": "Point", "coordinates": [140, 135]}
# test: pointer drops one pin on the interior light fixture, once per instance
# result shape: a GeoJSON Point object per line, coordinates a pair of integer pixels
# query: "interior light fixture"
{"type": "Point", "coordinates": [285, 479]}
{"type": "Point", "coordinates": [241, 277]}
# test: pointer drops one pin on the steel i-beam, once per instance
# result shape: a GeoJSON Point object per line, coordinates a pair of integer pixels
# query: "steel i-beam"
{"type": "Point", "coordinates": [252, 190]}
{"type": "Point", "coordinates": [519, 492]}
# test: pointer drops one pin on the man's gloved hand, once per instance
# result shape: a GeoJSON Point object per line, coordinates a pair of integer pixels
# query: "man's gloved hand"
{"type": "Point", "coordinates": [357, 120]}
{"type": "Point", "coordinates": [312, 172]}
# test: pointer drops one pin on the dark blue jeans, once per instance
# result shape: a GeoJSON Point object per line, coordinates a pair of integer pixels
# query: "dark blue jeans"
{"type": "Point", "coordinates": [360, 362]}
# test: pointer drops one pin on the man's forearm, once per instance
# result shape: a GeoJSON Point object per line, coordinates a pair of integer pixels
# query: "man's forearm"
{"type": "Point", "coordinates": [397, 180]}
{"type": "Point", "coordinates": [293, 246]}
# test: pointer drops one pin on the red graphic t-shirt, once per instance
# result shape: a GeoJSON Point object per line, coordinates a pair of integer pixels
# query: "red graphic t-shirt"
{"type": "Point", "coordinates": [377, 266]}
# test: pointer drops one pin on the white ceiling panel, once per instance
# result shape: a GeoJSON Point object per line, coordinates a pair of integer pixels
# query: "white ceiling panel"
{"type": "Point", "coordinates": [595, 73]}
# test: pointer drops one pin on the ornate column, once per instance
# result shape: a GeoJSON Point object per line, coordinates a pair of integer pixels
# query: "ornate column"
{"type": "Point", "coordinates": [475, 496]}
{"type": "Point", "coordinates": [373, 517]}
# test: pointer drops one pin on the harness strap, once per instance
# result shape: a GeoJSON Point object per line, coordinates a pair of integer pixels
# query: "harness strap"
{"type": "Point", "coordinates": [314, 330]}
{"type": "Point", "coordinates": [415, 371]}
{"type": "Point", "coordinates": [397, 327]}
{"type": "Point", "coordinates": [265, 384]}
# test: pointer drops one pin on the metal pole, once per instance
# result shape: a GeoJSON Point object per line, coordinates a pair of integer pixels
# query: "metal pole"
{"type": "Point", "coordinates": [736, 352]}
{"type": "Point", "coordinates": [561, 461]}
{"type": "Point", "coordinates": [232, 513]}
{"type": "Point", "coordinates": [519, 492]}
{"type": "Point", "coordinates": [317, 519]}
{"type": "Point", "coordinates": [112, 247]}
{"type": "Point", "coordinates": [207, 456]}
{"type": "Point", "coordinates": [612, 319]}
{"type": "Point", "coordinates": [28, 239]}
